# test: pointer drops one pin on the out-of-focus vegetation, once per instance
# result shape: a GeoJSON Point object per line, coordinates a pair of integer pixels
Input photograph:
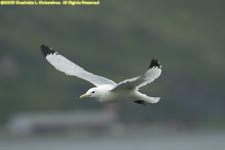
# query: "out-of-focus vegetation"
{"type": "Point", "coordinates": [117, 40]}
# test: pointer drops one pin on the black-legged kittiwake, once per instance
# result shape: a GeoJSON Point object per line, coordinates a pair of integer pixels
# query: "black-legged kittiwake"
{"type": "Point", "coordinates": [106, 90]}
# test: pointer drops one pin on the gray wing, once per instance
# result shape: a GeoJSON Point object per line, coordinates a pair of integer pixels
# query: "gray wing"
{"type": "Point", "coordinates": [149, 76]}
{"type": "Point", "coordinates": [63, 64]}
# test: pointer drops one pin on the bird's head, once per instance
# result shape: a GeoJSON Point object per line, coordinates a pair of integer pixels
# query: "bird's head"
{"type": "Point", "coordinates": [91, 93]}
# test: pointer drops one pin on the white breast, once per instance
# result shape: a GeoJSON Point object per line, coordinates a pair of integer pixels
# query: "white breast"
{"type": "Point", "coordinates": [108, 96]}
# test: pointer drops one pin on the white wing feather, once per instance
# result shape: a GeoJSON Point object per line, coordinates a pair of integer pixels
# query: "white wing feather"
{"type": "Point", "coordinates": [149, 76]}
{"type": "Point", "coordinates": [63, 64]}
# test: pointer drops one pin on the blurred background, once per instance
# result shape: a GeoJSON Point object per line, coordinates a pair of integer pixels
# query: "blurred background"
{"type": "Point", "coordinates": [39, 106]}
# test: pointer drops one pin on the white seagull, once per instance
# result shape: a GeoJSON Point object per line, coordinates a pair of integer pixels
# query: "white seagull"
{"type": "Point", "coordinates": [106, 90]}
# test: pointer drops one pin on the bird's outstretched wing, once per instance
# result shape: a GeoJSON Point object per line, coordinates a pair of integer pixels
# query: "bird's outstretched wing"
{"type": "Point", "coordinates": [149, 76]}
{"type": "Point", "coordinates": [63, 64]}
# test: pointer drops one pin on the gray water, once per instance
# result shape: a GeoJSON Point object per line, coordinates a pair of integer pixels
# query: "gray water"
{"type": "Point", "coordinates": [163, 141]}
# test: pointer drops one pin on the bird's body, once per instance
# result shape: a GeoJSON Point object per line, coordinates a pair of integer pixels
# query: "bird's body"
{"type": "Point", "coordinates": [107, 95]}
{"type": "Point", "coordinates": [106, 90]}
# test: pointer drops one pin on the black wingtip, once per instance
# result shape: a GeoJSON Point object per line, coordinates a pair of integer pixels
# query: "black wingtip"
{"type": "Point", "coordinates": [46, 50]}
{"type": "Point", "coordinates": [154, 63]}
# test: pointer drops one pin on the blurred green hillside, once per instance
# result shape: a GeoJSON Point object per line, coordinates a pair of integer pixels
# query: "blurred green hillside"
{"type": "Point", "coordinates": [117, 40]}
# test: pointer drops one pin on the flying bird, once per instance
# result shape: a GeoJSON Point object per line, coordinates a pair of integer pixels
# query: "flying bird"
{"type": "Point", "coordinates": [106, 90]}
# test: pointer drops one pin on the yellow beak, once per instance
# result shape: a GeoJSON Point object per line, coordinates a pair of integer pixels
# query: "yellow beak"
{"type": "Point", "coordinates": [84, 96]}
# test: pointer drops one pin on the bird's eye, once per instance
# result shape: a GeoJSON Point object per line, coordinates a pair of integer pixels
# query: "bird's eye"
{"type": "Point", "coordinates": [93, 92]}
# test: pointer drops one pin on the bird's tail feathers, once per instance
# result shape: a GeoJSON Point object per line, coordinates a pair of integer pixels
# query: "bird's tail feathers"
{"type": "Point", "coordinates": [152, 100]}
{"type": "Point", "coordinates": [148, 99]}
